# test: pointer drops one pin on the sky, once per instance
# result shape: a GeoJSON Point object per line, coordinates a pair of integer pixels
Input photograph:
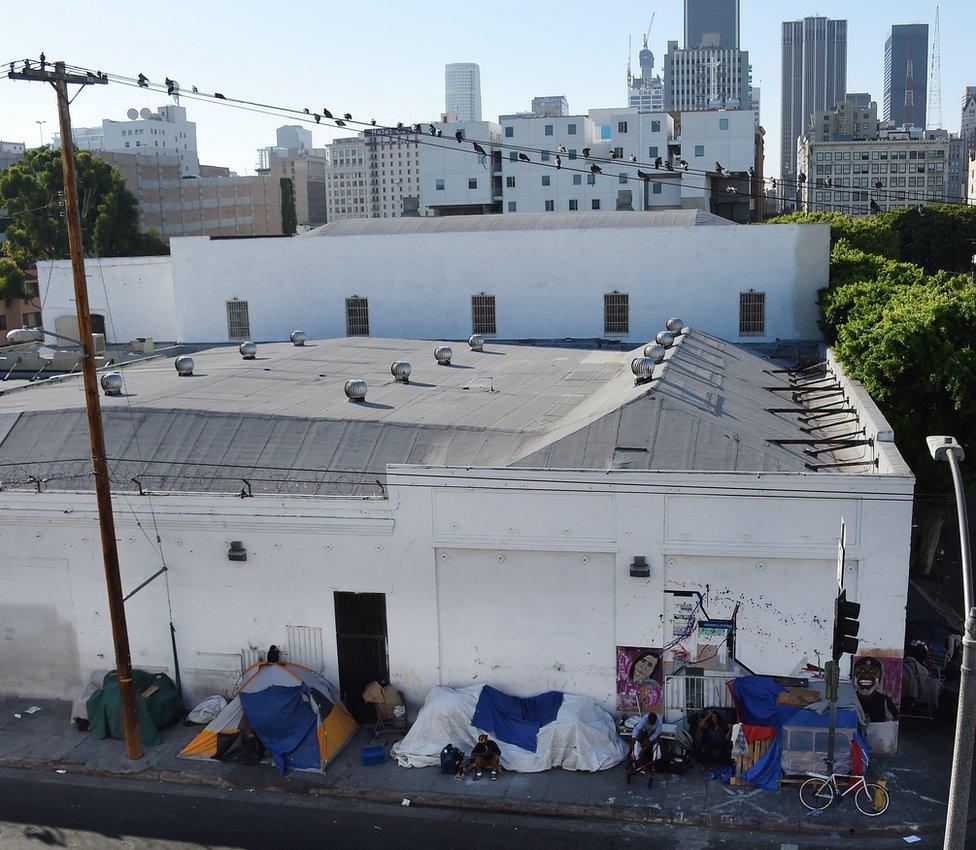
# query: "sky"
{"type": "Point", "coordinates": [385, 59]}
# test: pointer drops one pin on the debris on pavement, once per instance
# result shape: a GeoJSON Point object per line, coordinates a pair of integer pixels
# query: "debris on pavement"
{"type": "Point", "coordinates": [911, 839]}
{"type": "Point", "coordinates": [405, 801]}
{"type": "Point", "coordinates": [60, 770]}
{"type": "Point", "coordinates": [32, 710]}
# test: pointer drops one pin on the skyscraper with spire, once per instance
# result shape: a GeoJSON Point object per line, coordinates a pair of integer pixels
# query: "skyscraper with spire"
{"type": "Point", "coordinates": [645, 92]}
{"type": "Point", "coordinates": [906, 75]}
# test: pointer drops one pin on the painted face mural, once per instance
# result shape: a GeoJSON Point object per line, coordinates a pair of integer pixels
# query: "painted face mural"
{"type": "Point", "coordinates": [868, 674]}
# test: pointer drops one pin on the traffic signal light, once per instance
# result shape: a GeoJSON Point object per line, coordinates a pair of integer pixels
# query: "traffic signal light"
{"type": "Point", "coordinates": [846, 626]}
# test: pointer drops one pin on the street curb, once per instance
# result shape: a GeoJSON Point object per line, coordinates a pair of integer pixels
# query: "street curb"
{"type": "Point", "coordinates": [568, 811]}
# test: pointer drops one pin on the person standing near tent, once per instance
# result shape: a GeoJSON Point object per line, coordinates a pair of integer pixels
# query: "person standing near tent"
{"type": "Point", "coordinates": [487, 756]}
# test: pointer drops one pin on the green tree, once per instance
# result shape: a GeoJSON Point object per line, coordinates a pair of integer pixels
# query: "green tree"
{"type": "Point", "coordinates": [13, 284]}
{"type": "Point", "coordinates": [289, 218]}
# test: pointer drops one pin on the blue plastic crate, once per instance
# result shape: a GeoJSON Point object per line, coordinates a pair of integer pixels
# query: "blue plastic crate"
{"type": "Point", "coordinates": [370, 756]}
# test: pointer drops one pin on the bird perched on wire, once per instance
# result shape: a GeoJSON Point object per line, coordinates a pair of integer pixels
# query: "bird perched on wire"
{"type": "Point", "coordinates": [318, 118]}
{"type": "Point", "coordinates": [347, 116]}
{"type": "Point", "coordinates": [523, 157]}
{"type": "Point", "coordinates": [439, 133]}
{"type": "Point", "coordinates": [306, 111]}
{"type": "Point", "coordinates": [875, 207]}
{"type": "Point", "coordinates": [719, 169]}
{"type": "Point", "coordinates": [586, 153]}
{"type": "Point", "coordinates": [633, 158]}
{"type": "Point", "coordinates": [479, 149]}
{"type": "Point", "coordinates": [658, 162]}
{"type": "Point", "coordinates": [326, 113]}
{"type": "Point", "coordinates": [561, 149]}
{"type": "Point", "coordinates": [432, 129]}
{"type": "Point", "coordinates": [196, 90]}
{"type": "Point", "coordinates": [372, 122]}
{"type": "Point", "coordinates": [668, 166]}
{"type": "Point", "coordinates": [643, 175]}
{"type": "Point", "coordinates": [732, 190]}
{"type": "Point", "coordinates": [613, 155]}
{"type": "Point", "coordinates": [458, 136]}
{"type": "Point", "coordinates": [559, 162]}
{"type": "Point", "coordinates": [595, 169]}
{"type": "Point", "coordinates": [339, 122]}
{"type": "Point", "coordinates": [172, 87]}
{"type": "Point", "coordinates": [415, 128]}
{"type": "Point", "coordinates": [801, 178]}
{"type": "Point", "coordinates": [143, 81]}
{"type": "Point", "coordinates": [683, 163]}
{"type": "Point", "coordinates": [217, 94]}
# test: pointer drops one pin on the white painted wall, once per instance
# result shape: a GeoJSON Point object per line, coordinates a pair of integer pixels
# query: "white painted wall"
{"type": "Point", "coordinates": [134, 294]}
{"type": "Point", "coordinates": [552, 567]}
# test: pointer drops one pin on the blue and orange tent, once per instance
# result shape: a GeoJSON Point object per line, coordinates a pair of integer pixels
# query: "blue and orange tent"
{"type": "Point", "coordinates": [295, 713]}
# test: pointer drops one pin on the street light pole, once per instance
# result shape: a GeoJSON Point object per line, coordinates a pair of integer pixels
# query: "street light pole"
{"type": "Point", "coordinates": [40, 130]}
{"type": "Point", "coordinates": [947, 448]}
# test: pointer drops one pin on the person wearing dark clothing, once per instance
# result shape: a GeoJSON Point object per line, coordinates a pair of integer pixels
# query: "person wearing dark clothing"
{"type": "Point", "coordinates": [713, 741]}
{"type": "Point", "coordinates": [486, 756]}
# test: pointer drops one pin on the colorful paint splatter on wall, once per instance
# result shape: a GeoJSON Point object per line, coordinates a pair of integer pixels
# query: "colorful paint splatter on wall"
{"type": "Point", "coordinates": [643, 664]}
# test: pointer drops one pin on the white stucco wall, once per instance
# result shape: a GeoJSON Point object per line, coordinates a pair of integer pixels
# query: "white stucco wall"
{"type": "Point", "coordinates": [547, 284]}
{"type": "Point", "coordinates": [548, 561]}
{"type": "Point", "coordinates": [134, 294]}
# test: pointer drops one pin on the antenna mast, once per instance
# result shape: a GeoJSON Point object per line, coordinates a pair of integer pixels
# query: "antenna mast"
{"type": "Point", "coordinates": [935, 79]}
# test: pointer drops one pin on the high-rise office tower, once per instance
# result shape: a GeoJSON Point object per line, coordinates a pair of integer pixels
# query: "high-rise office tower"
{"type": "Point", "coordinates": [814, 78]}
{"type": "Point", "coordinates": [906, 74]}
{"type": "Point", "coordinates": [462, 90]}
{"type": "Point", "coordinates": [712, 23]}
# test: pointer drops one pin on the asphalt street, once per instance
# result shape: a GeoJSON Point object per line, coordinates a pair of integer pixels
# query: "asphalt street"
{"type": "Point", "coordinates": [80, 812]}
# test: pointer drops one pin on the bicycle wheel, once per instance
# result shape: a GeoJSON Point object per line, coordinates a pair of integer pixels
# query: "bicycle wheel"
{"type": "Point", "coordinates": [871, 799]}
{"type": "Point", "coordinates": [816, 793]}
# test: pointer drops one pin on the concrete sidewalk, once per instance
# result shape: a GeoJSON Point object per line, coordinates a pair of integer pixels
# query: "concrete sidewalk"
{"type": "Point", "coordinates": [917, 780]}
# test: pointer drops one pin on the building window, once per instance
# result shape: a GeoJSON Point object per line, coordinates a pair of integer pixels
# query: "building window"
{"type": "Point", "coordinates": [577, 179]}
{"type": "Point", "coordinates": [595, 204]}
{"type": "Point", "coordinates": [511, 206]}
{"type": "Point", "coordinates": [616, 313]}
{"type": "Point", "coordinates": [699, 150]}
{"type": "Point", "coordinates": [546, 180]}
{"type": "Point", "coordinates": [656, 188]}
{"type": "Point", "coordinates": [509, 132]}
{"type": "Point", "coordinates": [548, 129]}
{"type": "Point", "coordinates": [621, 126]}
{"type": "Point", "coordinates": [571, 129]}
{"type": "Point", "coordinates": [550, 206]}
{"type": "Point", "coordinates": [238, 320]}
{"type": "Point", "coordinates": [572, 153]}
{"type": "Point", "coordinates": [606, 132]}
{"type": "Point", "coordinates": [723, 123]}
{"type": "Point", "coordinates": [652, 151]}
{"type": "Point", "coordinates": [655, 127]}
{"type": "Point", "coordinates": [439, 184]}
{"type": "Point", "coordinates": [618, 153]}
{"type": "Point", "coordinates": [622, 177]}
{"type": "Point", "coordinates": [357, 316]}
{"type": "Point", "coordinates": [573, 205]}
{"type": "Point", "coordinates": [752, 313]}
{"type": "Point", "coordinates": [545, 156]}
{"type": "Point", "coordinates": [31, 320]}
{"type": "Point", "coordinates": [472, 182]}
{"type": "Point", "coordinates": [510, 182]}
{"type": "Point", "coordinates": [591, 180]}
{"type": "Point", "coordinates": [483, 314]}
{"type": "Point", "coordinates": [513, 156]}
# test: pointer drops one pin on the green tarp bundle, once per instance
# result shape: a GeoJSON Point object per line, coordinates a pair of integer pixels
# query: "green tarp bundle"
{"type": "Point", "coordinates": [156, 711]}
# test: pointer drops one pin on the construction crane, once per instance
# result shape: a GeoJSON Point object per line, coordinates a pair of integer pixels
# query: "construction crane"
{"type": "Point", "coordinates": [647, 35]}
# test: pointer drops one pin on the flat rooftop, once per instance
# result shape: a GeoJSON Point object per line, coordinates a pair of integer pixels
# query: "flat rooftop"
{"type": "Point", "coordinates": [283, 422]}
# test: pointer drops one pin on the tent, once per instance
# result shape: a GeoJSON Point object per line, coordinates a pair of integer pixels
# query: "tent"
{"type": "Point", "coordinates": [294, 712]}
{"type": "Point", "coordinates": [574, 732]}
{"type": "Point", "coordinates": [158, 705]}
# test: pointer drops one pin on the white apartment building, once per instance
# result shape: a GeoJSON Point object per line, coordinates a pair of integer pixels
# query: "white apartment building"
{"type": "Point", "coordinates": [456, 181]}
{"type": "Point", "coordinates": [85, 138]}
{"type": "Point", "coordinates": [346, 179]}
{"type": "Point", "coordinates": [462, 90]}
{"type": "Point", "coordinates": [899, 168]}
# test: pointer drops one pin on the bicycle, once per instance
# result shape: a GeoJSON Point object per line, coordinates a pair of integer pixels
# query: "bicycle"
{"type": "Point", "coordinates": [820, 791]}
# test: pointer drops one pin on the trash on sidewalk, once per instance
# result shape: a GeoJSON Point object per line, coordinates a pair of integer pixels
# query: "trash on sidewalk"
{"type": "Point", "coordinates": [372, 756]}
{"type": "Point", "coordinates": [18, 716]}
{"type": "Point", "coordinates": [391, 707]}
{"type": "Point", "coordinates": [32, 710]}
{"type": "Point", "coordinates": [206, 710]}
{"type": "Point", "coordinates": [405, 801]}
{"type": "Point", "coordinates": [61, 770]}
{"type": "Point", "coordinates": [911, 839]}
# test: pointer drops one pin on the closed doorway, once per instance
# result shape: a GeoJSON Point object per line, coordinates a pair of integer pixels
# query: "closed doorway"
{"type": "Point", "coordinates": [361, 646]}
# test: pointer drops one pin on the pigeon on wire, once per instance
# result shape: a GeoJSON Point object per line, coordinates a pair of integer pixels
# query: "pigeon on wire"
{"type": "Point", "coordinates": [432, 130]}
{"type": "Point", "coordinates": [683, 163]}
{"type": "Point", "coordinates": [720, 169]}
{"type": "Point", "coordinates": [586, 153]}
{"type": "Point", "coordinates": [559, 162]}
{"type": "Point", "coordinates": [416, 128]}
{"type": "Point", "coordinates": [523, 157]}
{"type": "Point", "coordinates": [633, 158]}
{"type": "Point", "coordinates": [458, 136]}
{"type": "Point", "coordinates": [318, 118]}
{"type": "Point", "coordinates": [143, 80]}
{"type": "Point", "coordinates": [196, 90]}
{"type": "Point", "coordinates": [613, 155]}
{"type": "Point", "coordinates": [172, 87]}
{"type": "Point", "coordinates": [668, 166]}
{"type": "Point", "coordinates": [658, 162]}
{"type": "Point", "coordinates": [339, 122]}
{"type": "Point", "coordinates": [595, 169]}
{"type": "Point", "coordinates": [306, 111]}
{"type": "Point", "coordinates": [347, 116]}
{"type": "Point", "coordinates": [479, 149]}
{"type": "Point", "coordinates": [561, 149]}
{"type": "Point", "coordinates": [643, 175]}
{"type": "Point", "coordinates": [218, 95]}
{"type": "Point", "coordinates": [326, 113]}
{"type": "Point", "coordinates": [372, 122]}
{"type": "Point", "coordinates": [875, 206]}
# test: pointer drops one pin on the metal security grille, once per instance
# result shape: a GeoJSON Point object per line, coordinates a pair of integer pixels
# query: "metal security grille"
{"type": "Point", "coordinates": [238, 320]}
{"type": "Point", "coordinates": [752, 313]}
{"type": "Point", "coordinates": [357, 316]}
{"type": "Point", "coordinates": [616, 313]}
{"type": "Point", "coordinates": [483, 314]}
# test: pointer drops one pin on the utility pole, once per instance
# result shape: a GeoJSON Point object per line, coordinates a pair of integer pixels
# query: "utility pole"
{"type": "Point", "coordinates": [60, 79]}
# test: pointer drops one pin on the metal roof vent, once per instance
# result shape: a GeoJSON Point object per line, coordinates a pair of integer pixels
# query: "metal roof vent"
{"type": "Point", "coordinates": [248, 350]}
{"type": "Point", "coordinates": [665, 338]}
{"type": "Point", "coordinates": [655, 352]}
{"type": "Point", "coordinates": [642, 367]}
{"type": "Point", "coordinates": [401, 371]}
{"type": "Point", "coordinates": [184, 366]}
{"type": "Point", "coordinates": [356, 390]}
{"type": "Point", "coordinates": [686, 330]}
{"type": "Point", "coordinates": [297, 338]}
{"type": "Point", "coordinates": [476, 342]}
{"type": "Point", "coordinates": [112, 383]}
{"type": "Point", "coordinates": [20, 335]}
{"type": "Point", "coordinates": [674, 324]}
{"type": "Point", "coordinates": [443, 355]}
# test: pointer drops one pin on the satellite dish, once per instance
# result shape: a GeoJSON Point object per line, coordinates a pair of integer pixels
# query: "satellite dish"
{"type": "Point", "coordinates": [146, 113]}
{"type": "Point", "coordinates": [132, 114]}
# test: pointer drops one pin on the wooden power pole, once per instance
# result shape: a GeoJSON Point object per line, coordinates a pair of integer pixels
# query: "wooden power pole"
{"type": "Point", "coordinates": [60, 79]}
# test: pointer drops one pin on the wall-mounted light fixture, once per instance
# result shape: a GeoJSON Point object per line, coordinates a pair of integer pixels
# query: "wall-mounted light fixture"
{"type": "Point", "coordinates": [640, 568]}
{"type": "Point", "coordinates": [237, 552]}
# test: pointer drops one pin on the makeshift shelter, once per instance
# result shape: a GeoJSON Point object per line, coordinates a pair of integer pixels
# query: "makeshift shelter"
{"type": "Point", "coordinates": [556, 729]}
{"type": "Point", "coordinates": [158, 705]}
{"type": "Point", "coordinates": [294, 712]}
{"type": "Point", "coordinates": [787, 728]}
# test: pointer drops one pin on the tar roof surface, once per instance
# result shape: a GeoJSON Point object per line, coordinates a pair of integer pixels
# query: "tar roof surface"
{"type": "Point", "coordinates": [283, 422]}
{"type": "Point", "coordinates": [587, 220]}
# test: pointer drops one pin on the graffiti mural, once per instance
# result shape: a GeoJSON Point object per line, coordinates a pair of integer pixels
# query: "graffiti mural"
{"type": "Point", "coordinates": [640, 679]}
{"type": "Point", "coordinates": [877, 682]}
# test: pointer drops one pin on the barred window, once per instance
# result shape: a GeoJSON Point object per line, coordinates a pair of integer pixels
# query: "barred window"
{"type": "Point", "coordinates": [752, 313]}
{"type": "Point", "coordinates": [357, 316]}
{"type": "Point", "coordinates": [483, 314]}
{"type": "Point", "coordinates": [616, 313]}
{"type": "Point", "coordinates": [238, 320]}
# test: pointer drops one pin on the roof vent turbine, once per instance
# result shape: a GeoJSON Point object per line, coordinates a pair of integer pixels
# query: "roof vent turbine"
{"type": "Point", "coordinates": [665, 338]}
{"type": "Point", "coordinates": [476, 342]}
{"type": "Point", "coordinates": [655, 352]}
{"type": "Point", "coordinates": [674, 324]}
{"type": "Point", "coordinates": [297, 338]}
{"type": "Point", "coordinates": [400, 371]}
{"type": "Point", "coordinates": [642, 367]}
{"type": "Point", "coordinates": [356, 390]}
{"type": "Point", "coordinates": [443, 355]}
{"type": "Point", "coordinates": [184, 366]}
{"type": "Point", "coordinates": [248, 350]}
{"type": "Point", "coordinates": [112, 383]}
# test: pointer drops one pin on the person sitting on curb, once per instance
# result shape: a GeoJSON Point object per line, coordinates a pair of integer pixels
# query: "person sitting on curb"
{"type": "Point", "coordinates": [487, 756]}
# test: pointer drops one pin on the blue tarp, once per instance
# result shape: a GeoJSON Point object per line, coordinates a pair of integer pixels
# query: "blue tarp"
{"type": "Point", "coordinates": [755, 699]}
{"type": "Point", "coordinates": [283, 720]}
{"type": "Point", "coordinates": [515, 720]}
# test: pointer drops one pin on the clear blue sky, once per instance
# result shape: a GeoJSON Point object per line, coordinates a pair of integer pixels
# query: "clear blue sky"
{"type": "Point", "coordinates": [385, 59]}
